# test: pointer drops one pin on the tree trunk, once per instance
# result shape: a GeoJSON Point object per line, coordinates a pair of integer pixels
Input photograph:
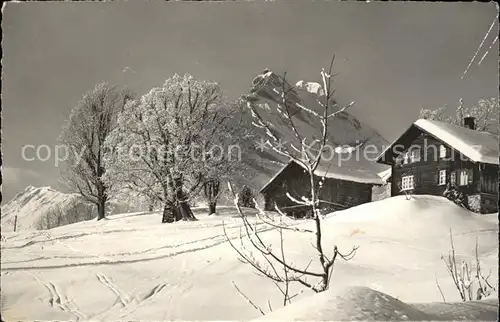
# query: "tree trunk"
{"type": "Point", "coordinates": [184, 210]}
{"type": "Point", "coordinates": [212, 189]}
{"type": "Point", "coordinates": [101, 210]}
{"type": "Point", "coordinates": [168, 214]}
{"type": "Point", "coordinates": [211, 207]}
{"type": "Point", "coordinates": [179, 208]}
{"type": "Point", "coordinates": [101, 200]}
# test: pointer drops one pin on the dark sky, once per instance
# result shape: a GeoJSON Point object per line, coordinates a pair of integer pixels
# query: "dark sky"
{"type": "Point", "coordinates": [393, 58]}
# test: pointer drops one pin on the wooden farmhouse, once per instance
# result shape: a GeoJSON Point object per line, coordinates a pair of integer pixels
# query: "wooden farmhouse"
{"type": "Point", "coordinates": [432, 156]}
{"type": "Point", "coordinates": [341, 188]}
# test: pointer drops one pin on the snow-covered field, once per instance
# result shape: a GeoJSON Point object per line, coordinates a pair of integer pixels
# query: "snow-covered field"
{"type": "Point", "coordinates": [131, 267]}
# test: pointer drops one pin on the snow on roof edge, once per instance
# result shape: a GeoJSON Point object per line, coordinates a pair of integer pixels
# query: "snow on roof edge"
{"type": "Point", "coordinates": [385, 175]}
{"type": "Point", "coordinates": [358, 179]}
{"type": "Point", "coordinates": [475, 157]}
{"type": "Point", "coordinates": [456, 143]}
{"type": "Point", "coordinates": [332, 175]}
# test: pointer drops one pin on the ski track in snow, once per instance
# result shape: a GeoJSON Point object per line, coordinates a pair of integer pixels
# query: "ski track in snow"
{"type": "Point", "coordinates": [125, 300]}
{"type": "Point", "coordinates": [60, 300]}
{"type": "Point", "coordinates": [64, 237]}
{"type": "Point", "coordinates": [149, 296]}
{"type": "Point", "coordinates": [155, 290]}
{"type": "Point", "coordinates": [217, 240]}
{"type": "Point", "coordinates": [125, 303]}
{"type": "Point", "coordinates": [153, 249]}
{"type": "Point", "coordinates": [122, 297]}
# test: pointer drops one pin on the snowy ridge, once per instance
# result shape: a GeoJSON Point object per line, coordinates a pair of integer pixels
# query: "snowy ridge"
{"type": "Point", "coordinates": [143, 270]}
{"type": "Point", "coordinates": [344, 130]}
{"type": "Point", "coordinates": [33, 204]}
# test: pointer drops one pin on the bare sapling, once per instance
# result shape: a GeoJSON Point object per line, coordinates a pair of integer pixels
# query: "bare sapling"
{"type": "Point", "coordinates": [274, 264]}
{"type": "Point", "coordinates": [465, 276]}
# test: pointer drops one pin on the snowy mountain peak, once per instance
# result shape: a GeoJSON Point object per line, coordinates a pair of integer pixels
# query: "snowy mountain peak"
{"type": "Point", "coordinates": [345, 131]}
{"type": "Point", "coordinates": [44, 207]}
{"type": "Point", "coordinates": [311, 87]}
{"type": "Point", "coordinates": [33, 204]}
{"type": "Point", "coordinates": [28, 193]}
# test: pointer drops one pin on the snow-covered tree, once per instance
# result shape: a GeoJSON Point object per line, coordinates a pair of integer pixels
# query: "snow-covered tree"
{"type": "Point", "coordinates": [169, 142]}
{"type": "Point", "coordinates": [485, 112]}
{"type": "Point", "coordinates": [83, 136]}
{"type": "Point", "coordinates": [237, 132]}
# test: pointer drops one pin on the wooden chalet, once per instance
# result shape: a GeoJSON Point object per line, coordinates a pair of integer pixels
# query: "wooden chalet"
{"type": "Point", "coordinates": [432, 156]}
{"type": "Point", "coordinates": [341, 188]}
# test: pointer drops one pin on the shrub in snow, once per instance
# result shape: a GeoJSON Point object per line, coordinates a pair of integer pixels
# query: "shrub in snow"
{"type": "Point", "coordinates": [59, 215]}
{"type": "Point", "coordinates": [458, 197]}
{"type": "Point", "coordinates": [467, 276]}
{"type": "Point", "coordinates": [246, 198]}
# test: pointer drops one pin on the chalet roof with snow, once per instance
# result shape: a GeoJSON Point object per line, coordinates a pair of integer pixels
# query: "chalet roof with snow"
{"type": "Point", "coordinates": [333, 171]}
{"type": "Point", "coordinates": [481, 147]}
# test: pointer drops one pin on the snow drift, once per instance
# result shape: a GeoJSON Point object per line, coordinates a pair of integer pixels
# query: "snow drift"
{"type": "Point", "coordinates": [130, 267]}
{"type": "Point", "coordinates": [365, 304]}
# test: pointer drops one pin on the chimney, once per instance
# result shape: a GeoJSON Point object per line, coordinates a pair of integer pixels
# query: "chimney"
{"type": "Point", "coordinates": [470, 122]}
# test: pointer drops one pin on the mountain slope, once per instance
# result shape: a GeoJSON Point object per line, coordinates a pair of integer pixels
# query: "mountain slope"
{"type": "Point", "coordinates": [44, 207]}
{"type": "Point", "coordinates": [343, 130]}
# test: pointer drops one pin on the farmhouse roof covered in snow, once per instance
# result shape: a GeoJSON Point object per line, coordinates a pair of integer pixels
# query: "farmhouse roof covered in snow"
{"type": "Point", "coordinates": [334, 171]}
{"type": "Point", "coordinates": [482, 147]}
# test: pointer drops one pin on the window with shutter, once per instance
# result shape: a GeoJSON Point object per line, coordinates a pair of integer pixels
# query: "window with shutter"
{"type": "Point", "coordinates": [442, 177]}
{"type": "Point", "coordinates": [453, 178]}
